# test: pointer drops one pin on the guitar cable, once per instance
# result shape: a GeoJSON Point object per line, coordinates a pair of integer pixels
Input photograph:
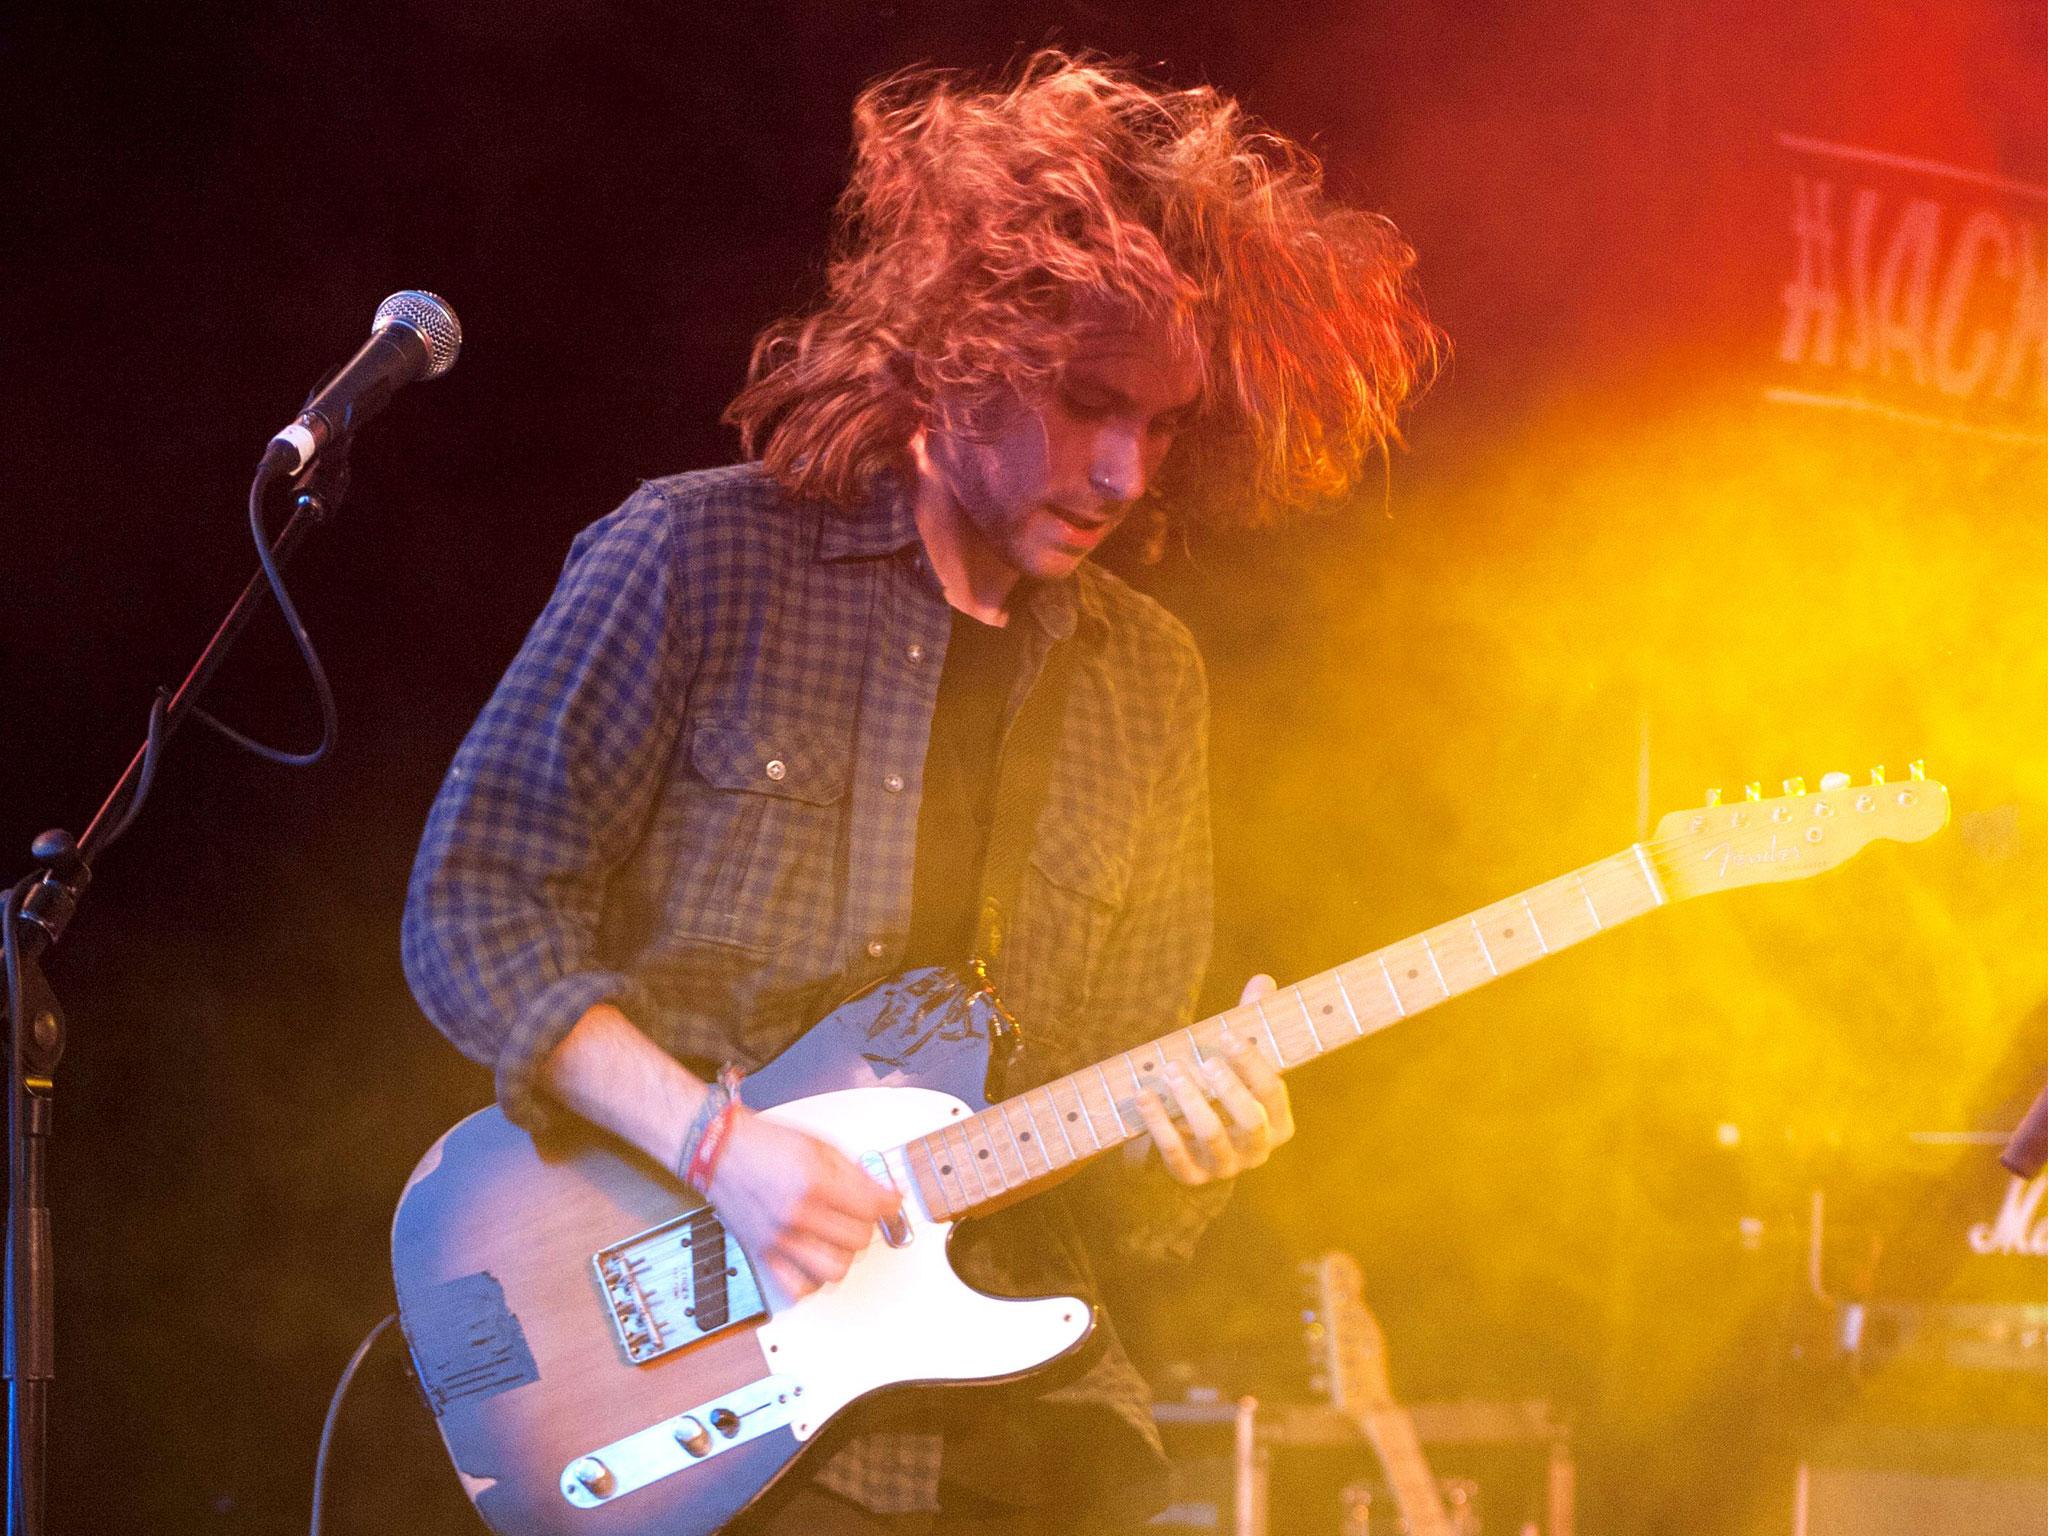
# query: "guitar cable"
{"type": "Point", "coordinates": [348, 1375]}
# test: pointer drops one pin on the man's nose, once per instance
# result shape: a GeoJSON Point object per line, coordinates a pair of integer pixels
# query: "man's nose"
{"type": "Point", "coordinates": [1118, 473]}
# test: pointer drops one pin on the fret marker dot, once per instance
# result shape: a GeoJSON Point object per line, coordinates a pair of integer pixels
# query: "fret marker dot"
{"type": "Point", "coordinates": [1413, 973]}
{"type": "Point", "coordinates": [945, 1168]}
{"type": "Point", "coordinates": [1148, 1066]}
{"type": "Point", "coordinates": [1326, 1007]}
{"type": "Point", "coordinates": [1072, 1116]}
{"type": "Point", "coordinates": [1026, 1136]}
{"type": "Point", "coordinates": [982, 1155]}
{"type": "Point", "coordinates": [1507, 933]}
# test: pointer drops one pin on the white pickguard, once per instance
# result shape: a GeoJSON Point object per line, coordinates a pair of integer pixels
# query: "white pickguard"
{"type": "Point", "coordinates": [901, 1314]}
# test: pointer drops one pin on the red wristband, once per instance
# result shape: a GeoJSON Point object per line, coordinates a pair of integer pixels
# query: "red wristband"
{"type": "Point", "coordinates": [705, 1159]}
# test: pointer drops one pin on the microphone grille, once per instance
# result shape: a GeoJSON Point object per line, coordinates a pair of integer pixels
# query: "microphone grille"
{"type": "Point", "coordinates": [429, 315]}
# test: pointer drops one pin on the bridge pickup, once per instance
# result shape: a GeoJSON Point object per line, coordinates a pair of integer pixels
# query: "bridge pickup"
{"type": "Point", "coordinates": [675, 1284]}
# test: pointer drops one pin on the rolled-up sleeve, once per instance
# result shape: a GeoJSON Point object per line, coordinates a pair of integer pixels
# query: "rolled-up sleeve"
{"type": "Point", "coordinates": [549, 793]}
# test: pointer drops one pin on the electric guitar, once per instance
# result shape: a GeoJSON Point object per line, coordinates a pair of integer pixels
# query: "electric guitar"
{"type": "Point", "coordinates": [601, 1356]}
{"type": "Point", "coordinates": [1352, 1351]}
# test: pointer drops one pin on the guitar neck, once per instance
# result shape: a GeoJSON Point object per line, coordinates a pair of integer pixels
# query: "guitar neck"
{"type": "Point", "coordinates": [990, 1158]}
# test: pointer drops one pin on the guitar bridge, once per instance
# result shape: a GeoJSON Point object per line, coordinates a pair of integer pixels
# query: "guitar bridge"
{"type": "Point", "coordinates": [676, 1283]}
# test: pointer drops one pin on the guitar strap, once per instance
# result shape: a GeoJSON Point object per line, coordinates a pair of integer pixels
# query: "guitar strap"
{"type": "Point", "coordinates": [1023, 769]}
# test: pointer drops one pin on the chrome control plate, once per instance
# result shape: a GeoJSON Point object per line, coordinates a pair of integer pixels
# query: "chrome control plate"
{"type": "Point", "coordinates": [646, 1456]}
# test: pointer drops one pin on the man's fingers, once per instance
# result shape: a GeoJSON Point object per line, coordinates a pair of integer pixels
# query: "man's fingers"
{"type": "Point", "coordinates": [1206, 1127]}
{"type": "Point", "coordinates": [1263, 1079]}
{"type": "Point", "coordinates": [789, 1279]}
{"type": "Point", "coordinates": [834, 1225]}
{"type": "Point", "coordinates": [1259, 986]}
{"type": "Point", "coordinates": [820, 1262]}
{"type": "Point", "coordinates": [1172, 1150]}
{"type": "Point", "coordinates": [1247, 1110]}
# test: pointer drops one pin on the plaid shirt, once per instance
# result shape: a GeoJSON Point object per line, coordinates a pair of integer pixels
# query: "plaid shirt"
{"type": "Point", "coordinates": [695, 795]}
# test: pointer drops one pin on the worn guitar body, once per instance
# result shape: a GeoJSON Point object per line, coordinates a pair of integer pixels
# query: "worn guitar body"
{"type": "Point", "coordinates": [552, 1295]}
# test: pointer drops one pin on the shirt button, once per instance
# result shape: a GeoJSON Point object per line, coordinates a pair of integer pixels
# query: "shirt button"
{"type": "Point", "coordinates": [893, 783]}
{"type": "Point", "coordinates": [776, 769]}
{"type": "Point", "coordinates": [914, 651]}
{"type": "Point", "coordinates": [876, 948]}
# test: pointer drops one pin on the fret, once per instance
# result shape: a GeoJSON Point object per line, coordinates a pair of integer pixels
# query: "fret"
{"type": "Point", "coordinates": [1393, 991]}
{"type": "Point", "coordinates": [1302, 1003]}
{"type": "Point", "coordinates": [1137, 1082]}
{"type": "Point", "coordinates": [933, 1197]}
{"type": "Point", "coordinates": [1430, 950]}
{"type": "Point", "coordinates": [1580, 881]}
{"type": "Point", "coordinates": [941, 1197]}
{"type": "Point", "coordinates": [988, 1163]}
{"type": "Point", "coordinates": [1279, 1056]}
{"type": "Point", "coordinates": [1485, 951]}
{"type": "Point", "coordinates": [1534, 926]}
{"type": "Point", "coordinates": [1037, 1131]}
{"type": "Point", "coordinates": [1195, 1046]}
{"type": "Point", "coordinates": [1345, 993]}
{"type": "Point", "coordinates": [1120, 1125]}
{"type": "Point", "coordinates": [1047, 1151]}
{"type": "Point", "coordinates": [1016, 1146]}
{"type": "Point", "coordinates": [948, 1161]}
{"type": "Point", "coordinates": [1059, 1122]}
{"type": "Point", "coordinates": [967, 1158]}
{"type": "Point", "coordinates": [1081, 1101]}
{"type": "Point", "coordinates": [1649, 875]}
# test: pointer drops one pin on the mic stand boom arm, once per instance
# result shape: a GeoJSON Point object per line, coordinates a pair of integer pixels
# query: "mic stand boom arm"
{"type": "Point", "coordinates": [34, 917]}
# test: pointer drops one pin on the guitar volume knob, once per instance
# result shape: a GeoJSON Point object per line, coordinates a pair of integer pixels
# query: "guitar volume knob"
{"type": "Point", "coordinates": [594, 1476]}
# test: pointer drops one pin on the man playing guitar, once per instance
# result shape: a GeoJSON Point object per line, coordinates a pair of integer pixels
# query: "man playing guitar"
{"type": "Point", "coordinates": [747, 761]}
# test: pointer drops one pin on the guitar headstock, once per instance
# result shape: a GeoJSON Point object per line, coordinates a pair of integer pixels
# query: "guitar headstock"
{"type": "Point", "coordinates": [1345, 1337]}
{"type": "Point", "coordinates": [1749, 841]}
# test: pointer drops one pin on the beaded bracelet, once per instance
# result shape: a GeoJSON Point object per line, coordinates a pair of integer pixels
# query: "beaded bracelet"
{"type": "Point", "coordinates": [704, 1139]}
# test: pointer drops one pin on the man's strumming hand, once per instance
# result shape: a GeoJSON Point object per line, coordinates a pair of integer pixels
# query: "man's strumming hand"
{"type": "Point", "coordinates": [1234, 1111]}
{"type": "Point", "coordinates": [802, 1208]}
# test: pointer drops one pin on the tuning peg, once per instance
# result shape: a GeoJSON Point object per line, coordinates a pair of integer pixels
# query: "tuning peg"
{"type": "Point", "coordinates": [1834, 780]}
{"type": "Point", "coordinates": [1795, 786]}
{"type": "Point", "coordinates": [1713, 798]}
{"type": "Point", "coordinates": [1918, 769]}
{"type": "Point", "coordinates": [1754, 791]}
{"type": "Point", "coordinates": [1877, 775]}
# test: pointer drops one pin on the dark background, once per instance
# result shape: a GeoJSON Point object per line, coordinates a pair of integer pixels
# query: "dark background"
{"type": "Point", "coordinates": [1600, 576]}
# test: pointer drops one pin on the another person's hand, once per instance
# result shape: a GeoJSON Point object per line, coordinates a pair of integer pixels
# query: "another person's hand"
{"type": "Point", "coordinates": [798, 1206]}
{"type": "Point", "coordinates": [1244, 1086]}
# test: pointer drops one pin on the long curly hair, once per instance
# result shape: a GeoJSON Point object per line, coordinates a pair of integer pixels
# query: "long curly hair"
{"type": "Point", "coordinates": [981, 221]}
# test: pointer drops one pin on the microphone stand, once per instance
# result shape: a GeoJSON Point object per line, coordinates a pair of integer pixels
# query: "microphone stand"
{"type": "Point", "coordinates": [35, 916]}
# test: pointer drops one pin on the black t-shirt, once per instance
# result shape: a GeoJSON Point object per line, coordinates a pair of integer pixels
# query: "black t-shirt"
{"type": "Point", "coordinates": [958, 807]}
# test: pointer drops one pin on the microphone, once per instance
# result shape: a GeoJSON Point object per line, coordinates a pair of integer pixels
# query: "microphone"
{"type": "Point", "coordinates": [414, 335]}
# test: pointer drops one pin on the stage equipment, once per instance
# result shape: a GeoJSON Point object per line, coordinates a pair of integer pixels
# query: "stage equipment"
{"type": "Point", "coordinates": [602, 1358]}
{"type": "Point", "coordinates": [1259, 1468]}
{"type": "Point", "coordinates": [413, 335]}
{"type": "Point", "coordinates": [1934, 1278]}
{"type": "Point", "coordinates": [39, 908]}
{"type": "Point", "coordinates": [2026, 1152]}
{"type": "Point", "coordinates": [1347, 1343]}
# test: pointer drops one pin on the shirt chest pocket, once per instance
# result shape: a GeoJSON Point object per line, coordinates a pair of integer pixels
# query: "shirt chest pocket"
{"type": "Point", "coordinates": [760, 830]}
{"type": "Point", "coordinates": [1073, 889]}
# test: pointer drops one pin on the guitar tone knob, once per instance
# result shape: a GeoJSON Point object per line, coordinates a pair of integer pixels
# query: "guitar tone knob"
{"type": "Point", "coordinates": [692, 1436]}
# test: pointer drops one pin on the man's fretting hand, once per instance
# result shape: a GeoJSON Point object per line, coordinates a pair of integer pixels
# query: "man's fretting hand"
{"type": "Point", "coordinates": [797, 1205]}
{"type": "Point", "coordinates": [1234, 1111]}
